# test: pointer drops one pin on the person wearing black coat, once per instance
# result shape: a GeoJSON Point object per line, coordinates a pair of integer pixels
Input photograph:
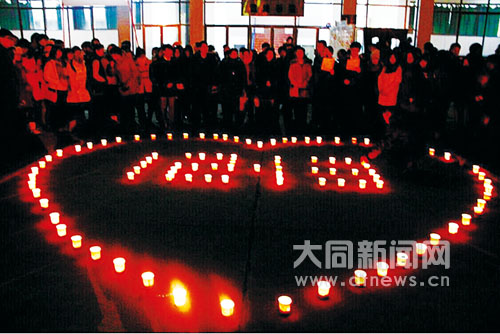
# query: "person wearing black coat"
{"type": "Point", "coordinates": [232, 79]}
{"type": "Point", "coordinates": [204, 88]}
{"type": "Point", "coordinates": [324, 92]}
{"type": "Point", "coordinates": [266, 107]}
{"type": "Point", "coordinates": [155, 108]}
{"type": "Point", "coordinates": [409, 96]}
{"type": "Point", "coordinates": [181, 86]}
{"type": "Point", "coordinates": [348, 77]}
{"type": "Point", "coordinates": [248, 58]}
{"type": "Point", "coordinates": [17, 145]}
{"type": "Point", "coordinates": [164, 77]}
{"type": "Point", "coordinates": [372, 68]}
{"type": "Point", "coordinates": [411, 106]}
{"type": "Point", "coordinates": [318, 84]}
{"type": "Point", "coordinates": [9, 85]}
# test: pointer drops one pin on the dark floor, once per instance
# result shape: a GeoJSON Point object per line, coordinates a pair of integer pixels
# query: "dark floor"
{"type": "Point", "coordinates": [246, 235]}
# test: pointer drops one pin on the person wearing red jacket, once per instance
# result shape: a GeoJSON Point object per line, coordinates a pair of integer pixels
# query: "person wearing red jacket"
{"type": "Point", "coordinates": [299, 75]}
{"type": "Point", "coordinates": [232, 80]}
{"type": "Point", "coordinates": [388, 87]}
{"type": "Point", "coordinates": [78, 95]}
{"type": "Point", "coordinates": [56, 76]}
{"type": "Point", "coordinates": [145, 88]}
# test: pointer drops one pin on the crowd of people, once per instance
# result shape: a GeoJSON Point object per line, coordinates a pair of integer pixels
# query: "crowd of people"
{"type": "Point", "coordinates": [402, 94]}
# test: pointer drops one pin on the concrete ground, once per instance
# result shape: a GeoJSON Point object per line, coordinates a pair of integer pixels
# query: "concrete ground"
{"type": "Point", "coordinates": [243, 237]}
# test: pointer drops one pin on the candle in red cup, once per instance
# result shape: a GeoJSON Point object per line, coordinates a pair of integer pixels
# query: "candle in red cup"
{"type": "Point", "coordinates": [119, 264]}
{"type": "Point", "coordinates": [285, 304]}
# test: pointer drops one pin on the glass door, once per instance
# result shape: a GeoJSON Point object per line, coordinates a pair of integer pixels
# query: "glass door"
{"type": "Point", "coordinates": [152, 39]}
{"type": "Point", "coordinates": [238, 37]}
{"type": "Point", "coordinates": [280, 35]}
{"type": "Point", "coordinates": [260, 35]}
{"type": "Point", "coordinates": [307, 37]}
{"type": "Point", "coordinates": [170, 35]}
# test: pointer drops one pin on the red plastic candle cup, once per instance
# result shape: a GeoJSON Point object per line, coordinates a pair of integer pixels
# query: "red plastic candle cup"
{"type": "Point", "coordinates": [95, 252]}
{"type": "Point", "coordinates": [382, 268]}
{"type": "Point", "coordinates": [61, 229]}
{"type": "Point", "coordinates": [76, 241]}
{"type": "Point", "coordinates": [453, 228]}
{"type": "Point", "coordinates": [227, 307]}
{"type": "Point", "coordinates": [55, 217]}
{"type": "Point", "coordinates": [285, 304]}
{"type": "Point", "coordinates": [434, 238]}
{"type": "Point", "coordinates": [466, 218]}
{"type": "Point", "coordinates": [148, 279]}
{"type": "Point", "coordinates": [323, 289]}
{"type": "Point", "coordinates": [119, 264]}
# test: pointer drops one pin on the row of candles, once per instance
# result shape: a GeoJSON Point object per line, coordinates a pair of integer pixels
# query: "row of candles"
{"type": "Point", "coordinates": [274, 141]}
{"type": "Point", "coordinates": [481, 176]}
{"type": "Point", "coordinates": [173, 170]}
{"type": "Point", "coordinates": [78, 148]}
{"type": "Point", "coordinates": [42, 163]}
{"type": "Point", "coordinates": [284, 140]}
{"type": "Point", "coordinates": [170, 175]}
{"type": "Point", "coordinates": [179, 294]}
{"type": "Point", "coordinates": [446, 155]}
{"type": "Point", "coordinates": [260, 144]}
{"type": "Point", "coordinates": [284, 302]}
{"type": "Point", "coordinates": [360, 276]}
{"type": "Point", "coordinates": [487, 189]}
{"type": "Point", "coordinates": [280, 178]}
{"type": "Point", "coordinates": [354, 171]}
{"type": "Point", "coordinates": [143, 164]}
{"type": "Point", "coordinates": [382, 267]}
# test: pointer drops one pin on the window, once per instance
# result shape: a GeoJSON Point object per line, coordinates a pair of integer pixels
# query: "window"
{"type": "Point", "coordinates": [397, 14]}
{"type": "Point", "coordinates": [105, 18]}
{"type": "Point", "coordinates": [81, 19]}
{"type": "Point", "coordinates": [467, 22]}
{"type": "Point", "coordinates": [320, 14]}
{"type": "Point", "coordinates": [224, 13]}
{"type": "Point", "coordinates": [9, 18]}
{"type": "Point", "coordinates": [393, 14]}
{"type": "Point", "coordinates": [160, 22]}
{"type": "Point", "coordinates": [54, 19]}
{"type": "Point", "coordinates": [161, 13]}
{"type": "Point", "coordinates": [225, 24]}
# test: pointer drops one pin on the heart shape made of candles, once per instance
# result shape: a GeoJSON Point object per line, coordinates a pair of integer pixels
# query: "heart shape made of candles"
{"type": "Point", "coordinates": [256, 213]}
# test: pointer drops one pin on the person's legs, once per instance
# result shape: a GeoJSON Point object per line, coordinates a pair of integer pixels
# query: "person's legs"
{"type": "Point", "coordinates": [62, 113]}
{"type": "Point", "coordinates": [196, 112]}
{"type": "Point", "coordinates": [170, 114]}
{"type": "Point", "coordinates": [162, 112]}
{"type": "Point", "coordinates": [300, 112]}
{"type": "Point", "coordinates": [210, 110]}
{"type": "Point", "coordinates": [180, 110]}
{"type": "Point", "coordinates": [227, 113]}
{"type": "Point", "coordinates": [287, 112]}
{"type": "Point", "coordinates": [141, 111]}
{"type": "Point", "coordinates": [127, 111]}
